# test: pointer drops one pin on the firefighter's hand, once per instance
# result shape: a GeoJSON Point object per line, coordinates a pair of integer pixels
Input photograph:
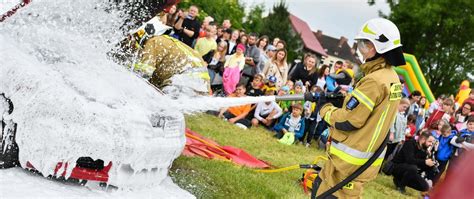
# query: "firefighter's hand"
{"type": "Point", "coordinates": [429, 162]}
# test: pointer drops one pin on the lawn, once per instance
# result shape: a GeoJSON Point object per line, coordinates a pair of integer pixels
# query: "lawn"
{"type": "Point", "coordinates": [219, 179]}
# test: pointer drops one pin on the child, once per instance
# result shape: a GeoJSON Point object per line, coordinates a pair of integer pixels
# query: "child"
{"type": "Point", "coordinates": [444, 113]}
{"type": "Point", "coordinates": [232, 68]}
{"type": "Point", "coordinates": [397, 130]}
{"type": "Point", "coordinates": [254, 89]}
{"type": "Point", "coordinates": [284, 105]}
{"type": "Point", "coordinates": [236, 114]}
{"type": "Point", "coordinates": [291, 123]}
{"type": "Point", "coordinates": [464, 140]}
{"type": "Point", "coordinates": [271, 84]}
{"type": "Point", "coordinates": [312, 117]}
{"type": "Point", "coordinates": [444, 150]}
{"type": "Point", "coordinates": [266, 112]}
{"type": "Point", "coordinates": [291, 86]}
{"type": "Point", "coordinates": [436, 128]}
{"type": "Point", "coordinates": [411, 127]}
{"type": "Point", "coordinates": [299, 89]}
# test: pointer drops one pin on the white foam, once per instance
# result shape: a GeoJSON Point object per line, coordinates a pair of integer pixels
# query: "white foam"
{"type": "Point", "coordinates": [71, 101]}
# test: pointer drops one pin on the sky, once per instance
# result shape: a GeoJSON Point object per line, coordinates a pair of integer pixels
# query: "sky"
{"type": "Point", "coordinates": [335, 18]}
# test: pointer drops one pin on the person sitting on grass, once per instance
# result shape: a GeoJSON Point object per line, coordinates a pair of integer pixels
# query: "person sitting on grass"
{"type": "Point", "coordinates": [271, 84]}
{"type": "Point", "coordinates": [266, 112]}
{"type": "Point", "coordinates": [236, 114]}
{"type": "Point", "coordinates": [291, 123]}
{"type": "Point", "coordinates": [284, 105]}
{"type": "Point", "coordinates": [255, 87]}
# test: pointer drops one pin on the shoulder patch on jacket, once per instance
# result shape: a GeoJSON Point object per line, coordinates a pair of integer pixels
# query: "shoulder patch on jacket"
{"type": "Point", "coordinates": [352, 103]}
{"type": "Point", "coordinates": [395, 91]}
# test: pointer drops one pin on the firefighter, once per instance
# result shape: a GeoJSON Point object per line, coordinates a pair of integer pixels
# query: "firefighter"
{"type": "Point", "coordinates": [163, 59]}
{"type": "Point", "coordinates": [360, 126]}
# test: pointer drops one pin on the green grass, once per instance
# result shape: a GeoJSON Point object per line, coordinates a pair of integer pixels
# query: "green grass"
{"type": "Point", "coordinates": [219, 179]}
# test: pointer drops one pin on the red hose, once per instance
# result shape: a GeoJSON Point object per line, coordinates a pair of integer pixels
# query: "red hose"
{"type": "Point", "coordinates": [14, 9]}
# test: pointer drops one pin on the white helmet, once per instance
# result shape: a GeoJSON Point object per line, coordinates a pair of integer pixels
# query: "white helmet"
{"type": "Point", "coordinates": [382, 33]}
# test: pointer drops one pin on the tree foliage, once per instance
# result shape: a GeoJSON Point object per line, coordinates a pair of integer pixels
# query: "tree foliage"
{"type": "Point", "coordinates": [218, 9]}
{"type": "Point", "coordinates": [440, 34]}
{"type": "Point", "coordinates": [254, 19]}
{"type": "Point", "coordinates": [277, 24]}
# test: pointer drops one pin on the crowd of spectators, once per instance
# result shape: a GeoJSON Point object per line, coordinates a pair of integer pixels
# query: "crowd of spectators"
{"type": "Point", "coordinates": [422, 139]}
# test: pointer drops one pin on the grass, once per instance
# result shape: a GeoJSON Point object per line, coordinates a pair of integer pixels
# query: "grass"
{"type": "Point", "coordinates": [219, 179]}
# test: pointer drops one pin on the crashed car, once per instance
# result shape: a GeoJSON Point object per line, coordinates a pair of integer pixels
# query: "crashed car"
{"type": "Point", "coordinates": [73, 119]}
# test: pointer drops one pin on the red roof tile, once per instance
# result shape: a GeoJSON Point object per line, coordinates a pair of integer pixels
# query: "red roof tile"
{"type": "Point", "coordinates": [309, 40]}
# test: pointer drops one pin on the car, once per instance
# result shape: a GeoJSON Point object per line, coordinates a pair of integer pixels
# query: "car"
{"type": "Point", "coordinates": [76, 119]}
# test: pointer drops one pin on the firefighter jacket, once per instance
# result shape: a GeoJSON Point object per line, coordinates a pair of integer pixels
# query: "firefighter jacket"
{"type": "Point", "coordinates": [162, 57]}
{"type": "Point", "coordinates": [360, 126]}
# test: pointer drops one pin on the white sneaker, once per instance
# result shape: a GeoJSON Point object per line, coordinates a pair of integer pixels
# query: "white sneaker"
{"type": "Point", "coordinates": [241, 126]}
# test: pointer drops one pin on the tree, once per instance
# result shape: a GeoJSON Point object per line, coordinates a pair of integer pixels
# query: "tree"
{"type": "Point", "coordinates": [219, 10]}
{"type": "Point", "coordinates": [440, 34]}
{"type": "Point", "coordinates": [277, 24]}
{"type": "Point", "coordinates": [254, 20]}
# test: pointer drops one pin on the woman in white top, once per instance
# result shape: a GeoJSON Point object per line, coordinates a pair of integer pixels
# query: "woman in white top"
{"type": "Point", "coordinates": [323, 73]}
{"type": "Point", "coordinates": [277, 67]}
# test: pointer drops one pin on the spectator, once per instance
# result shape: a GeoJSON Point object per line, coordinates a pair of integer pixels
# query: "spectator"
{"type": "Point", "coordinates": [297, 63]}
{"type": "Point", "coordinates": [307, 73]}
{"type": "Point", "coordinates": [343, 76]}
{"type": "Point", "coordinates": [420, 118]}
{"type": "Point", "coordinates": [226, 24]}
{"type": "Point", "coordinates": [277, 67]}
{"type": "Point", "coordinates": [411, 128]}
{"type": "Point", "coordinates": [312, 117]}
{"type": "Point", "coordinates": [281, 44]}
{"type": "Point", "coordinates": [216, 64]}
{"type": "Point", "coordinates": [266, 112]}
{"type": "Point", "coordinates": [397, 131]}
{"type": "Point", "coordinates": [232, 68]}
{"type": "Point", "coordinates": [242, 33]}
{"type": "Point", "coordinates": [414, 99]}
{"type": "Point", "coordinates": [243, 39]}
{"type": "Point", "coordinates": [411, 159]}
{"type": "Point", "coordinates": [207, 44]}
{"type": "Point", "coordinates": [435, 128]}
{"type": "Point", "coordinates": [225, 35]}
{"type": "Point", "coordinates": [284, 105]}
{"type": "Point", "coordinates": [266, 57]}
{"type": "Point", "coordinates": [464, 142]}
{"type": "Point", "coordinates": [255, 88]}
{"type": "Point", "coordinates": [252, 56]}
{"type": "Point", "coordinates": [220, 34]}
{"type": "Point", "coordinates": [323, 73]}
{"type": "Point", "coordinates": [170, 17]}
{"type": "Point", "coordinates": [337, 66]}
{"type": "Point", "coordinates": [270, 85]}
{"type": "Point", "coordinates": [232, 43]}
{"type": "Point", "coordinates": [445, 113]}
{"type": "Point", "coordinates": [291, 123]}
{"type": "Point", "coordinates": [236, 114]}
{"type": "Point", "coordinates": [462, 114]}
{"type": "Point", "coordinates": [275, 41]}
{"type": "Point", "coordinates": [262, 44]}
{"type": "Point", "coordinates": [205, 23]}
{"type": "Point", "coordinates": [187, 27]}
{"type": "Point", "coordinates": [436, 105]}
{"type": "Point", "coordinates": [444, 150]}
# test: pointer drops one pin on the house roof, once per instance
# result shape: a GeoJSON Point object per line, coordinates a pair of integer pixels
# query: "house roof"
{"type": "Point", "coordinates": [337, 47]}
{"type": "Point", "coordinates": [309, 39]}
